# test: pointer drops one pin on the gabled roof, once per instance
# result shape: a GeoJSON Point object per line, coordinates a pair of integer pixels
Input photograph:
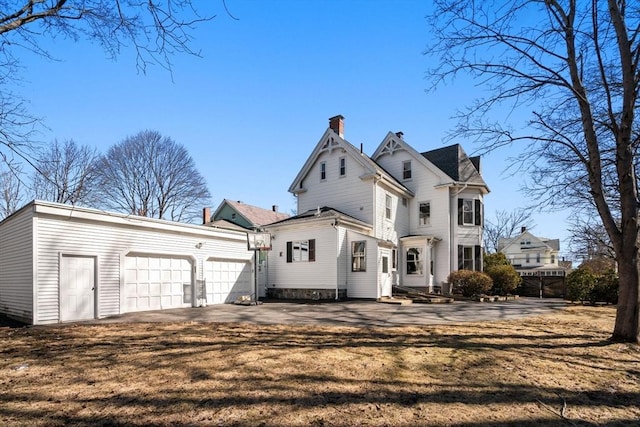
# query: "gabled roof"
{"type": "Point", "coordinates": [330, 141]}
{"type": "Point", "coordinates": [453, 161]}
{"type": "Point", "coordinates": [322, 213]}
{"type": "Point", "coordinates": [252, 214]}
{"type": "Point", "coordinates": [450, 163]}
{"type": "Point", "coordinates": [537, 242]}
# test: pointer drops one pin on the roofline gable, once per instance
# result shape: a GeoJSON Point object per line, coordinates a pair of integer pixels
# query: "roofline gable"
{"type": "Point", "coordinates": [225, 202]}
{"type": "Point", "coordinates": [401, 144]}
{"type": "Point", "coordinates": [331, 141]}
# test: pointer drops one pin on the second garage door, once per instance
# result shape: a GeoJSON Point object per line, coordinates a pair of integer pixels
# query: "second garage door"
{"type": "Point", "coordinates": [226, 280]}
{"type": "Point", "coordinates": [157, 282]}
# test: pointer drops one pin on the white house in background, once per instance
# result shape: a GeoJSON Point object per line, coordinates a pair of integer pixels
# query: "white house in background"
{"type": "Point", "coordinates": [367, 223]}
{"type": "Point", "coordinates": [531, 255]}
{"type": "Point", "coordinates": [62, 263]}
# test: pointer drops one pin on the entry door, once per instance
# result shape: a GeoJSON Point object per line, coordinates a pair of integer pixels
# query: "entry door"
{"type": "Point", "coordinates": [384, 273]}
{"type": "Point", "coordinates": [77, 288]}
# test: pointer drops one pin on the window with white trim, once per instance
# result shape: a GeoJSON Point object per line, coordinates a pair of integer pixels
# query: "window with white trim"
{"type": "Point", "coordinates": [358, 256]}
{"type": "Point", "coordinates": [323, 171]}
{"type": "Point", "coordinates": [470, 257]}
{"type": "Point", "coordinates": [424, 213]}
{"type": "Point", "coordinates": [388, 206]}
{"type": "Point", "coordinates": [414, 261]}
{"type": "Point", "coordinates": [343, 166]}
{"type": "Point", "coordinates": [301, 251]}
{"type": "Point", "coordinates": [470, 212]}
{"type": "Point", "coordinates": [406, 169]}
{"type": "Point", "coordinates": [467, 211]}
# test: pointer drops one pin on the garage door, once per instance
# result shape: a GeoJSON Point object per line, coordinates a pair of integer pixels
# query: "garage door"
{"type": "Point", "coordinates": [226, 280]}
{"type": "Point", "coordinates": [77, 288]}
{"type": "Point", "coordinates": [155, 283]}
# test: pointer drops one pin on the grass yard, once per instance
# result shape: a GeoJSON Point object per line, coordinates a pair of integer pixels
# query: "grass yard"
{"type": "Point", "coordinates": [552, 370]}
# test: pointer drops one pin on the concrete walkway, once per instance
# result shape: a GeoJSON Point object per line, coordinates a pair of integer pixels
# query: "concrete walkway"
{"type": "Point", "coordinates": [350, 313]}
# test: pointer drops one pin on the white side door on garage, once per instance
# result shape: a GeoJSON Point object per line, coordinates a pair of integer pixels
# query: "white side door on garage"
{"type": "Point", "coordinates": [77, 288]}
{"type": "Point", "coordinates": [157, 282]}
{"type": "Point", "coordinates": [226, 280]}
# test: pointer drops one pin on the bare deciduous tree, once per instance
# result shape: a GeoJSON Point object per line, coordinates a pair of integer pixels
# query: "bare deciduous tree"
{"type": "Point", "coordinates": [574, 66]}
{"type": "Point", "coordinates": [505, 225]}
{"type": "Point", "coordinates": [589, 239]}
{"type": "Point", "coordinates": [11, 191]}
{"type": "Point", "coordinates": [66, 173]}
{"type": "Point", "coordinates": [151, 175]}
{"type": "Point", "coordinates": [155, 29]}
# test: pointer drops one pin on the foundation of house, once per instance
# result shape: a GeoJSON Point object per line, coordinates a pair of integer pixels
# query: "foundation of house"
{"type": "Point", "coordinates": [306, 294]}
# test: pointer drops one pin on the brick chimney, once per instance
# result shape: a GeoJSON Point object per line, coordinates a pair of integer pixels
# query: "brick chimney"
{"type": "Point", "coordinates": [206, 216]}
{"type": "Point", "coordinates": [336, 123]}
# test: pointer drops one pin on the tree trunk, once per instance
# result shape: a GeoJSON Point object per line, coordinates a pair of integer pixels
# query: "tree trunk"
{"type": "Point", "coordinates": [627, 324]}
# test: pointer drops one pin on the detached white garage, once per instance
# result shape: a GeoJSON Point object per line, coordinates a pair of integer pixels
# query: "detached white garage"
{"type": "Point", "coordinates": [61, 263]}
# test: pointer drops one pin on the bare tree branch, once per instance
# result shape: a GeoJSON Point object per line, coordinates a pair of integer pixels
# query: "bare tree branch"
{"type": "Point", "coordinates": [151, 175]}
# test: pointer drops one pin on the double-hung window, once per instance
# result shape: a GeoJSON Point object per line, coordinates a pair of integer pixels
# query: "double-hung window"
{"type": "Point", "coordinates": [323, 171]}
{"type": "Point", "coordinates": [470, 257]}
{"type": "Point", "coordinates": [358, 256]}
{"type": "Point", "coordinates": [424, 214]}
{"type": "Point", "coordinates": [388, 206]}
{"type": "Point", "coordinates": [414, 261]}
{"type": "Point", "coordinates": [301, 251]}
{"type": "Point", "coordinates": [469, 212]}
{"type": "Point", "coordinates": [343, 166]}
{"type": "Point", "coordinates": [406, 169]}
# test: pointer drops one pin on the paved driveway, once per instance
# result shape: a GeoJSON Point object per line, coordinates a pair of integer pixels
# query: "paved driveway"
{"type": "Point", "coordinates": [350, 313]}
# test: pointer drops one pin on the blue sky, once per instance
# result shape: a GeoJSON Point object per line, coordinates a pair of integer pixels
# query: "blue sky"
{"type": "Point", "coordinates": [252, 108]}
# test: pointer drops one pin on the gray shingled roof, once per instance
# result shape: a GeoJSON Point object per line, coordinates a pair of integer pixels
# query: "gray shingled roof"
{"type": "Point", "coordinates": [453, 161]}
{"type": "Point", "coordinates": [320, 212]}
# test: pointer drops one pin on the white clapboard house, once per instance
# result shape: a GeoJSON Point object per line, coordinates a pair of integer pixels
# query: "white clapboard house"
{"type": "Point", "coordinates": [366, 223]}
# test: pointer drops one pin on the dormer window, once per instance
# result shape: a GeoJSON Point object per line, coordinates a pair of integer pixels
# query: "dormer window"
{"type": "Point", "coordinates": [406, 169]}
{"type": "Point", "coordinates": [343, 166]}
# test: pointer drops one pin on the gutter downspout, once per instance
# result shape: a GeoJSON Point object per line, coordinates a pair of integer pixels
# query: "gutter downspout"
{"type": "Point", "coordinates": [335, 227]}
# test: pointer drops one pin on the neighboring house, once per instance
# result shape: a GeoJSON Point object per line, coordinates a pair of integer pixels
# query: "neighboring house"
{"type": "Point", "coordinates": [533, 256]}
{"type": "Point", "coordinates": [367, 223]}
{"type": "Point", "coordinates": [62, 263]}
{"type": "Point", "coordinates": [246, 216]}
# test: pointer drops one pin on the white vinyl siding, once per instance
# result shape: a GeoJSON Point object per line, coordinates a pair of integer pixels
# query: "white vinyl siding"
{"type": "Point", "coordinates": [16, 264]}
{"type": "Point", "coordinates": [320, 274]}
{"type": "Point", "coordinates": [109, 238]}
{"type": "Point", "coordinates": [424, 184]}
{"type": "Point", "coordinates": [350, 193]}
{"type": "Point", "coordinates": [363, 284]}
{"type": "Point", "coordinates": [398, 225]}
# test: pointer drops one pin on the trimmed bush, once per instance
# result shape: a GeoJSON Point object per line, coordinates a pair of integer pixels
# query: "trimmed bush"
{"type": "Point", "coordinates": [470, 283]}
{"type": "Point", "coordinates": [580, 285]}
{"type": "Point", "coordinates": [493, 260]}
{"type": "Point", "coordinates": [505, 279]}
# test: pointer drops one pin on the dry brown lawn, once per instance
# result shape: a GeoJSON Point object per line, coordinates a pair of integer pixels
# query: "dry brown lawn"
{"type": "Point", "coordinates": [551, 370]}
